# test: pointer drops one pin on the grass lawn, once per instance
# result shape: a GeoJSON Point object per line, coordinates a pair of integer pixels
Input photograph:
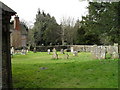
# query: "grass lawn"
{"type": "Point", "coordinates": [38, 70]}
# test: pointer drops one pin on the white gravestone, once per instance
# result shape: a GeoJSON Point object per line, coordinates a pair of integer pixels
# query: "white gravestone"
{"type": "Point", "coordinates": [12, 51]}
{"type": "Point", "coordinates": [72, 50]}
{"type": "Point", "coordinates": [48, 51]}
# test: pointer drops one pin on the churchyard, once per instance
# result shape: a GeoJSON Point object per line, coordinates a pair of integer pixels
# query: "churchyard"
{"type": "Point", "coordinates": [67, 70]}
{"type": "Point", "coordinates": [52, 55]}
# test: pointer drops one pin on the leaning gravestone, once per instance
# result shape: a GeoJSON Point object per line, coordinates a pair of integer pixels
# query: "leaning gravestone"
{"type": "Point", "coordinates": [55, 55]}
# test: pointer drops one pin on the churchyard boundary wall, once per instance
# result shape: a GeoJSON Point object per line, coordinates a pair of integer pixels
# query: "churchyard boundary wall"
{"type": "Point", "coordinates": [98, 51]}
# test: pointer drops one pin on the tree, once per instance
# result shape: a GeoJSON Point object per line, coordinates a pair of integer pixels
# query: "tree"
{"type": "Point", "coordinates": [102, 22]}
{"type": "Point", "coordinates": [45, 30]}
{"type": "Point", "coordinates": [67, 33]}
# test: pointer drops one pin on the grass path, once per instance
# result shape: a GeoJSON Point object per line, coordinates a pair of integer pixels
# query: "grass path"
{"type": "Point", "coordinates": [76, 72]}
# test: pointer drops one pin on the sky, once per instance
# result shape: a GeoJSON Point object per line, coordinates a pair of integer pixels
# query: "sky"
{"type": "Point", "coordinates": [27, 9]}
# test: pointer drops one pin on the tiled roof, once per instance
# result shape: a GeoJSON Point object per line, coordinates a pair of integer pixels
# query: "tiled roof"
{"type": "Point", "coordinates": [23, 28]}
{"type": "Point", "coordinates": [6, 8]}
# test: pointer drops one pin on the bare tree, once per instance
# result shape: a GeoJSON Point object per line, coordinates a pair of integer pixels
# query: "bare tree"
{"type": "Point", "coordinates": [67, 32]}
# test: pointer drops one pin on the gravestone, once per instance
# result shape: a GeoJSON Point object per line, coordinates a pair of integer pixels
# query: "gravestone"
{"type": "Point", "coordinates": [55, 55]}
{"type": "Point", "coordinates": [5, 58]}
{"type": "Point", "coordinates": [110, 49]}
{"type": "Point", "coordinates": [62, 51]}
{"type": "Point", "coordinates": [23, 51]}
{"type": "Point", "coordinates": [34, 50]}
{"type": "Point", "coordinates": [115, 54]}
{"type": "Point", "coordinates": [99, 52]}
{"type": "Point", "coordinates": [48, 51]}
{"type": "Point", "coordinates": [12, 51]}
{"type": "Point", "coordinates": [75, 53]}
{"type": "Point", "coordinates": [54, 51]}
{"type": "Point", "coordinates": [94, 51]}
{"type": "Point", "coordinates": [103, 52]}
{"type": "Point", "coordinates": [66, 56]}
{"type": "Point", "coordinates": [72, 49]}
{"type": "Point", "coordinates": [65, 50]}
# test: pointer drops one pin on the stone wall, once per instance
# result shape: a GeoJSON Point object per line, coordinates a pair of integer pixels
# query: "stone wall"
{"type": "Point", "coordinates": [82, 48]}
{"type": "Point", "coordinates": [45, 48]}
{"type": "Point", "coordinates": [99, 52]}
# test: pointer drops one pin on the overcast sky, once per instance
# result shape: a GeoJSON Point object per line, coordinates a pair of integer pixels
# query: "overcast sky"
{"type": "Point", "coordinates": [27, 9]}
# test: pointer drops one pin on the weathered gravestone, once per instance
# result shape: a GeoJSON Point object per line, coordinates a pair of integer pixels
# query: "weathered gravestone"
{"type": "Point", "coordinates": [65, 50]}
{"type": "Point", "coordinates": [94, 51]}
{"type": "Point", "coordinates": [103, 52]}
{"type": "Point", "coordinates": [23, 51]}
{"type": "Point", "coordinates": [110, 49]}
{"type": "Point", "coordinates": [34, 50]}
{"type": "Point", "coordinates": [115, 54]}
{"type": "Point", "coordinates": [66, 56]}
{"type": "Point", "coordinates": [75, 53]}
{"type": "Point", "coordinates": [99, 52]}
{"type": "Point", "coordinates": [62, 51]}
{"type": "Point", "coordinates": [5, 58]}
{"type": "Point", "coordinates": [54, 50]}
{"type": "Point", "coordinates": [55, 55]}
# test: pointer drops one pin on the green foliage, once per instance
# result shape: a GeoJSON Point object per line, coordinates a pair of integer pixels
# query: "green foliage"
{"type": "Point", "coordinates": [45, 29]}
{"type": "Point", "coordinates": [102, 23]}
{"type": "Point", "coordinates": [100, 26]}
{"type": "Point", "coordinates": [75, 72]}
